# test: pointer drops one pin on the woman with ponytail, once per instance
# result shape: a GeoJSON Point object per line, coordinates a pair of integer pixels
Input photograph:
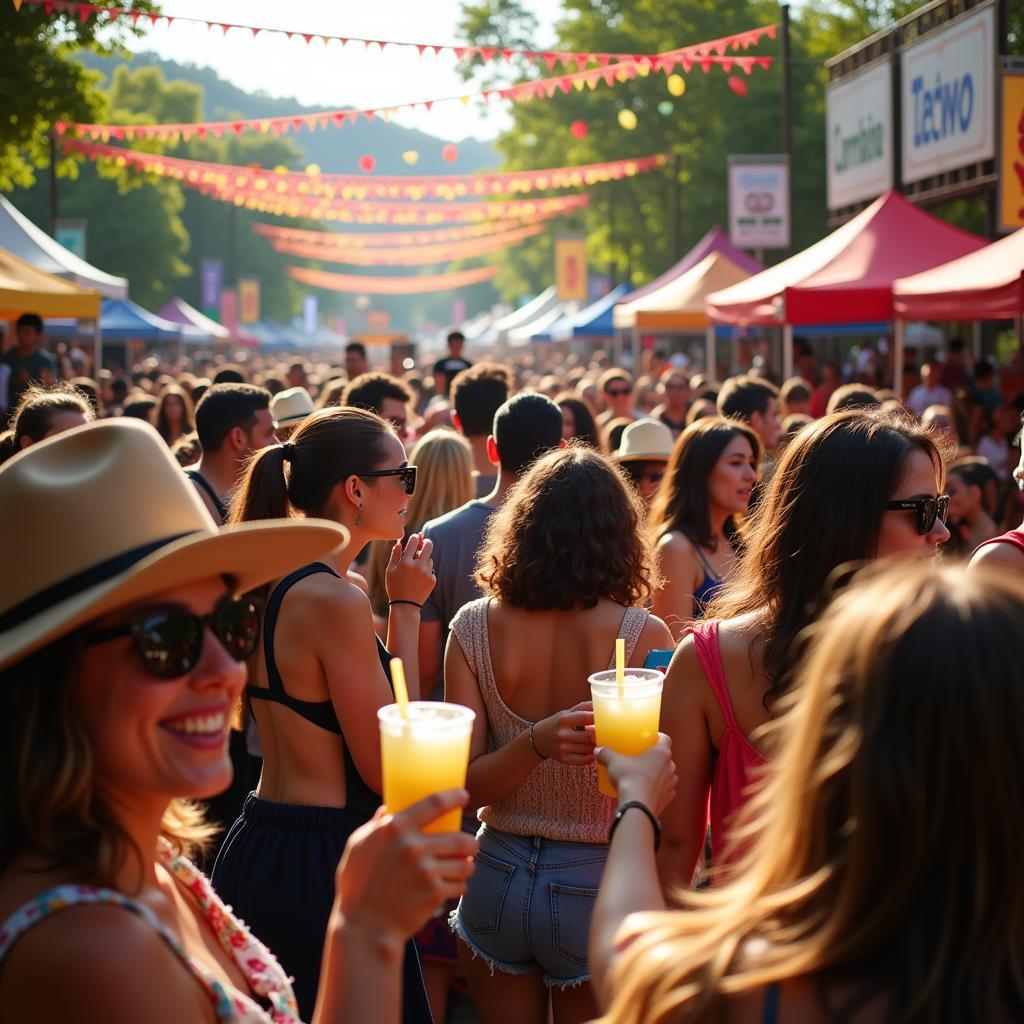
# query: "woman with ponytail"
{"type": "Point", "coordinates": [316, 685]}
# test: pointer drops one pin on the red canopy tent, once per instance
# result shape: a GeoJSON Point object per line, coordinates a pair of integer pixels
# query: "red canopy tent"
{"type": "Point", "coordinates": [986, 285]}
{"type": "Point", "coordinates": [848, 276]}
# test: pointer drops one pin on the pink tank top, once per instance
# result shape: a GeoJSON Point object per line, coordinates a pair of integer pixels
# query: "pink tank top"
{"type": "Point", "coordinates": [737, 759]}
{"type": "Point", "coordinates": [1014, 537]}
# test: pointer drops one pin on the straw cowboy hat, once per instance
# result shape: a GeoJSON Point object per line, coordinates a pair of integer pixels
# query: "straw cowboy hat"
{"type": "Point", "coordinates": [102, 516]}
{"type": "Point", "coordinates": [289, 408]}
{"type": "Point", "coordinates": [645, 441]}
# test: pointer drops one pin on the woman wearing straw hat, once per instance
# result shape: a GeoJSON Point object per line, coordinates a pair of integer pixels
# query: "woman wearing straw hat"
{"type": "Point", "coordinates": [122, 645]}
{"type": "Point", "coordinates": [643, 455]}
{"type": "Point", "coordinates": [290, 408]}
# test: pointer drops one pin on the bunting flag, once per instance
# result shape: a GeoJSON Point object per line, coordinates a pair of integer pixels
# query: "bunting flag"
{"type": "Point", "coordinates": [327, 240]}
{"type": "Point", "coordinates": [409, 256]}
{"type": "Point", "coordinates": [540, 88]}
{"type": "Point", "coordinates": [567, 58]}
{"type": "Point", "coordinates": [398, 285]}
{"type": "Point", "coordinates": [345, 186]}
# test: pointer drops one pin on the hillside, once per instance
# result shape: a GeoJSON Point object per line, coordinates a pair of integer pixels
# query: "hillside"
{"type": "Point", "coordinates": [335, 151]}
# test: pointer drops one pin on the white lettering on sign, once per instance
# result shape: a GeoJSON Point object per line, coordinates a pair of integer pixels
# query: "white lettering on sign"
{"type": "Point", "coordinates": [949, 97]}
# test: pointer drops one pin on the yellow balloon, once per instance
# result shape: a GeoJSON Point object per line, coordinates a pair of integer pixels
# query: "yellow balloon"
{"type": "Point", "coordinates": [676, 85]}
{"type": "Point", "coordinates": [411, 157]}
{"type": "Point", "coordinates": [313, 170]}
{"type": "Point", "coordinates": [627, 119]}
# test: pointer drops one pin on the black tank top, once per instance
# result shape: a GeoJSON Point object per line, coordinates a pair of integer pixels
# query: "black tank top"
{"type": "Point", "coordinates": [197, 478]}
{"type": "Point", "coordinates": [318, 712]}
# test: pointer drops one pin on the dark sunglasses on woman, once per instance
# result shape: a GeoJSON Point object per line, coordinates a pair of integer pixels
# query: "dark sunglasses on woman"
{"type": "Point", "coordinates": [405, 474]}
{"type": "Point", "coordinates": [927, 509]}
{"type": "Point", "coordinates": [169, 638]}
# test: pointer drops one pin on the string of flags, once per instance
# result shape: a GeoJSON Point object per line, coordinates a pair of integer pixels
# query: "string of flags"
{"type": "Point", "coordinates": [397, 285]}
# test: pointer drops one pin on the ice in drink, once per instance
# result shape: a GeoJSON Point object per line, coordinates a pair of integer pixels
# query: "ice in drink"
{"type": "Point", "coordinates": [424, 753]}
{"type": "Point", "coordinates": [625, 718]}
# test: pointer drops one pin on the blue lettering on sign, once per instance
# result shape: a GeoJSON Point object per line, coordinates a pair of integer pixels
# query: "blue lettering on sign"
{"type": "Point", "coordinates": [942, 111]}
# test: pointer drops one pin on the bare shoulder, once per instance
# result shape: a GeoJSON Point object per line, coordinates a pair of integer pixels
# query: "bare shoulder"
{"type": "Point", "coordinates": [999, 557]}
{"type": "Point", "coordinates": [685, 679]}
{"type": "Point", "coordinates": [655, 635]}
{"type": "Point", "coordinates": [676, 544]}
{"type": "Point", "coordinates": [98, 963]}
{"type": "Point", "coordinates": [323, 594]}
{"type": "Point", "coordinates": [737, 634]}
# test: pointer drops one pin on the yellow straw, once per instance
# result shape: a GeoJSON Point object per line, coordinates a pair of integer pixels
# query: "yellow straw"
{"type": "Point", "coordinates": [620, 665]}
{"type": "Point", "coordinates": [401, 690]}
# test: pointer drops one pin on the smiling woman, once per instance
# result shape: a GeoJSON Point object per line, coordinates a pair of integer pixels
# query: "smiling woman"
{"type": "Point", "coordinates": [121, 656]}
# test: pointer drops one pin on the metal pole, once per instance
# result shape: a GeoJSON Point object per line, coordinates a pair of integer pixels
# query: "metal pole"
{"type": "Point", "coordinates": [53, 183]}
{"type": "Point", "coordinates": [712, 363]}
{"type": "Point", "coordinates": [897, 356]}
{"type": "Point", "coordinates": [787, 351]}
{"type": "Point", "coordinates": [97, 348]}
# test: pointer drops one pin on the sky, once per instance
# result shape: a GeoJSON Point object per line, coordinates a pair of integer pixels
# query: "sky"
{"type": "Point", "coordinates": [336, 76]}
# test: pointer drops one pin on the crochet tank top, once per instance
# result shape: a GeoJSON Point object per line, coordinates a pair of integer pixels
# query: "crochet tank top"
{"type": "Point", "coordinates": [558, 801]}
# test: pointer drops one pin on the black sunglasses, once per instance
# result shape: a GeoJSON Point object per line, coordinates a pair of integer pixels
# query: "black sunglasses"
{"type": "Point", "coordinates": [927, 509]}
{"type": "Point", "coordinates": [618, 392]}
{"type": "Point", "coordinates": [406, 474]}
{"type": "Point", "coordinates": [169, 638]}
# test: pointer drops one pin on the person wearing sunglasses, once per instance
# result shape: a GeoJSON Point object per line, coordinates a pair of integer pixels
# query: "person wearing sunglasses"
{"type": "Point", "coordinates": [852, 487]}
{"type": "Point", "coordinates": [693, 520]}
{"type": "Point", "coordinates": [642, 454]}
{"type": "Point", "coordinates": [616, 389]}
{"type": "Point", "coordinates": [317, 681]}
{"type": "Point", "coordinates": [122, 649]}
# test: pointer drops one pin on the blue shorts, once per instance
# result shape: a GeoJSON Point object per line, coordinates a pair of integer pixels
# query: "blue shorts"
{"type": "Point", "coordinates": [528, 905]}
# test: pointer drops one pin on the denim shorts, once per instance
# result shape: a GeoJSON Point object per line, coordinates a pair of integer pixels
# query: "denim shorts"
{"type": "Point", "coordinates": [528, 905]}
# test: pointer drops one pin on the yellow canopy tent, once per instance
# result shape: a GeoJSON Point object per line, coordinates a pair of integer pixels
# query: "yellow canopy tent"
{"type": "Point", "coordinates": [23, 289]}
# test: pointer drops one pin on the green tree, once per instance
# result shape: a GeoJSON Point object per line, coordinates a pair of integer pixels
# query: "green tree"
{"type": "Point", "coordinates": [41, 82]}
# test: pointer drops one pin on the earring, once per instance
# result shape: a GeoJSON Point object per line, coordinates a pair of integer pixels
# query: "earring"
{"type": "Point", "coordinates": [359, 516]}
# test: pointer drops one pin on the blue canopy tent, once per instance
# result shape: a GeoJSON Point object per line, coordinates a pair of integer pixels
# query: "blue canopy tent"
{"type": "Point", "coordinates": [593, 321]}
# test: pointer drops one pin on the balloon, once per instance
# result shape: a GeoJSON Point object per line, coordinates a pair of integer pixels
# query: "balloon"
{"type": "Point", "coordinates": [627, 119]}
{"type": "Point", "coordinates": [666, 107]}
{"type": "Point", "coordinates": [450, 153]}
{"type": "Point", "coordinates": [578, 129]}
{"type": "Point", "coordinates": [367, 163]}
{"type": "Point", "coordinates": [737, 85]}
{"type": "Point", "coordinates": [411, 157]}
{"type": "Point", "coordinates": [313, 170]}
{"type": "Point", "coordinates": [676, 85]}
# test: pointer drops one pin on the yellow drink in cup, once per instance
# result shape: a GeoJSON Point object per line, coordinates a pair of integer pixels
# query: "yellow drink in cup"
{"type": "Point", "coordinates": [626, 714]}
{"type": "Point", "coordinates": [424, 752]}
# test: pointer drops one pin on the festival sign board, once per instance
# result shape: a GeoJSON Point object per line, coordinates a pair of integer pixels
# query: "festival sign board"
{"type": "Point", "coordinates": [1011, 164]}
{"type": "Point", "coordinates": [859, 136]}
{"type": "Point", "coordinates": [571, 268]}
{"type": "Point", "coordinates": [249, 300]}
{"type": "Point", "coordinates": [948, 97]}
{"type": "Point", "coordinates": [759, 202]}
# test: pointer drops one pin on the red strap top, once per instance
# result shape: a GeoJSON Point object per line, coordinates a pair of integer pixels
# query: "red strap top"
{"type": "Point", "coordinates": [1014, 537]}
{"type": "Point", "coordinates": [737, 756]}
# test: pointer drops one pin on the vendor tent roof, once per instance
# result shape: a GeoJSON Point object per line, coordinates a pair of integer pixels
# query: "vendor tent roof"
{"type": "Point", "coordinates": [21, 237]}
{"type": "Point", "coordinates": [679, 304]}
{"type": "Point", "coordinates": [716, 240]}
{"type": "Point", "coordinates": [123, 320]}
{"type": "Point", "coordinates": [985, 285]}
{"type": "Point", "coordinates": [178, 311]}
{"type": "Point", "coordinates": [525, 314]}
{"type": "Point", "coordinates": [24, 289]}
{"type": "Point", "coordinates": [848, 275]}
{"type": "Point", "coordinates": [539, 325]}
{"type": "Point", "coordinates": [593, 321]}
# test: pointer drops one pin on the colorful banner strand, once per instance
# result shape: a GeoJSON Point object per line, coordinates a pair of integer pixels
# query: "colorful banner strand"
{"type": "Point", "coordinates": [327, 240]}
{"type": "Point", "coordinates": [541, 88]}
{"type": "Point", "coordinates": [399, 285]}
{"type": "Point", "coordinates": [347, 186]}
{"type": "Point", "coordinates": [567, 58]}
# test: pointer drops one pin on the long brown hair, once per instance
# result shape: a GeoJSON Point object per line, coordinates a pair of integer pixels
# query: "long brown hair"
{"type": "Point", "coordinates": [188, 420]}
{"type": "Point", "coordinates": [570, 533]}
{"type": "Point", "coordinates": [682, 499]}
{"type": "Point", "coordinates": [887, 838]}
{"type": "Point", "coordinates": [824, 508]}
{"type": "Point", "coordinates": [34, 414]}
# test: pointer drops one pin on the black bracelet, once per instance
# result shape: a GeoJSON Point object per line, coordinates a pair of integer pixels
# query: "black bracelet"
{"type": "Point", "coordinates": [543, 757]}
{"type": "Point", "coordinates": [655, 824]}
{"type": "Point", "coordinates": [401, 600]}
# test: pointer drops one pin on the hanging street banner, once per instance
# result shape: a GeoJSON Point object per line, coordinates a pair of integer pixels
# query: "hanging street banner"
{"type": "Point", "coordinates": [859, 136]}
{"type": "Point", "coordinates": [571, 268]}
{"type": "Point", "coordinates": [1011, 168]}
{"type": "Point", "coordinates": [249, 300]}
{"type": "Point", "coordinates": [210, 276]}
{"type": "Point", "coordinates": [759, 202]}
{"type": "Point", "coordinates": [948, 97]}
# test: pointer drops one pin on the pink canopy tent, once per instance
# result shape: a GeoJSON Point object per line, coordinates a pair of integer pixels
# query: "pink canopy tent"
{"type": "Point", "coordinates": [985, 285]}
{"type": "Point", "coordinates": [848, 276]}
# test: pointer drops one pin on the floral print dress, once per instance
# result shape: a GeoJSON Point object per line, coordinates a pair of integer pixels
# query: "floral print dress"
{"type": "Point", "coordinates": [262, 972]}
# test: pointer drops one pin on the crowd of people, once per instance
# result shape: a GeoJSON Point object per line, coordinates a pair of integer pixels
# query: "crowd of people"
{"type": "Point", "coordinates": [210, 565]}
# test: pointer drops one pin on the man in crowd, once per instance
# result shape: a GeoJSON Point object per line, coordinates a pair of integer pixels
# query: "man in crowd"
{"type": "Point", "coordinates": [525, 427]}
{"type": "Point", "coordinates": [446, 368]}
{"type": "Point", "coordinates": [355, 360]}
{"type": "Point", "coordinates": [232, 421]}
{"type": "Point", "coordinates": [756, 402]}
{"type": "Point", "coordinates": [795, 398]}
{"type": "Point", "coordinates": [929, 392]}
{"type": "Point", "coordinates": [27, 362]}
{"type": "Point", "coordinates": [477, 394]}
{"type": "Point", "coordinates": [383, 394]}
{"type": "Point", "coordinates": [616, 387]}
{"type": "Point", "coordinates": [674, 386]}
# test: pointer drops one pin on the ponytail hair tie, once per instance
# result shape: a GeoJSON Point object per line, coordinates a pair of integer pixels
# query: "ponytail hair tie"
{"type": "Point", "coordinates": [287, 450]}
